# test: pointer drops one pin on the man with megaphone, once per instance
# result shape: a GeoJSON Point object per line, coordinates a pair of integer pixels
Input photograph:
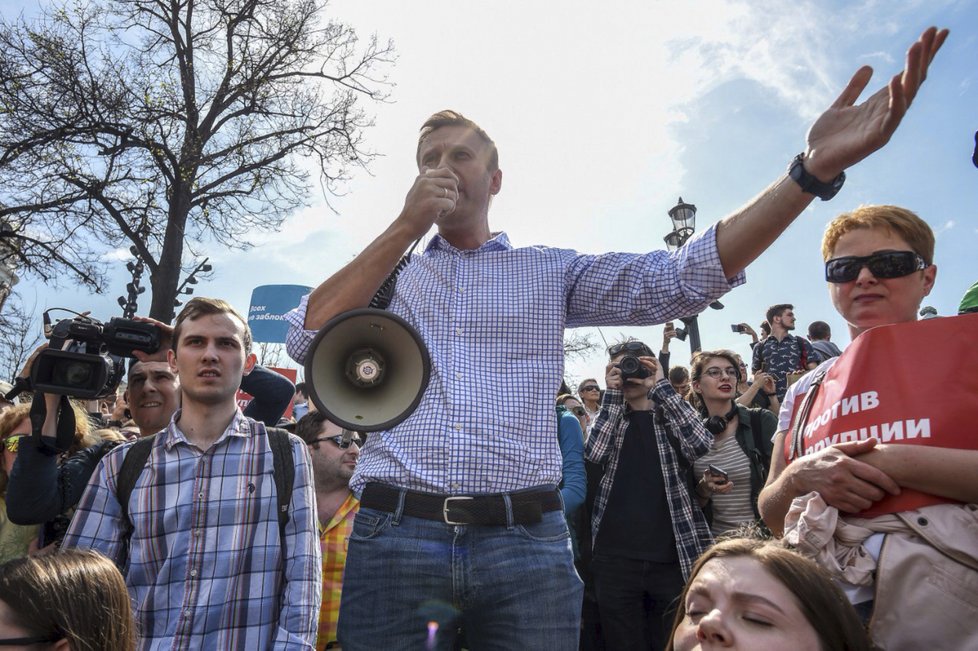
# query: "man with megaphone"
{"type": "Point", "coordinates": [460, 519]}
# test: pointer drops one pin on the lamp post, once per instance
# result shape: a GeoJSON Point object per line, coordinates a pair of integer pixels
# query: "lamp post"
{"type": "Point", "coordinates": [683, 216]}
{"type": "Point", "coordinates": [191, 280]}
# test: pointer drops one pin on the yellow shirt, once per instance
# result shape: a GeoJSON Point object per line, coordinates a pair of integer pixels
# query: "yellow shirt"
{"type": "Point", "coordinates": [334, 539]}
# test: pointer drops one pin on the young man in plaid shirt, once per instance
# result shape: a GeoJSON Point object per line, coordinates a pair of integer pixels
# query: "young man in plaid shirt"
{"type": "Point", "coordinates": [206, 560]}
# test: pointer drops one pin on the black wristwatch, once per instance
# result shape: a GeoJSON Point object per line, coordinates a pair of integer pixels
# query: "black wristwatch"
{"type": "Point", "coordinates": [812, 185]}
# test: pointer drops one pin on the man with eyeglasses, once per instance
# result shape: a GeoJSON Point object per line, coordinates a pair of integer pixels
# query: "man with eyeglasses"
{"type": "Point", "coordinates": [647, 530]}
{"type": "Point", "coordinates": [493, 315]}
{"type": "Point", "coordinates": [333, 462]}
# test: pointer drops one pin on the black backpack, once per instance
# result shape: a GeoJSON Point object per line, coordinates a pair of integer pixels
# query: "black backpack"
{"type": "Point", "coordinates": [283, 467]}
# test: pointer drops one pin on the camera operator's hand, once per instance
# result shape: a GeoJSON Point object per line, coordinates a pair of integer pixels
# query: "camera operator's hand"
{"type": "Point", "coordinates": [166, 341]}
{"type": "Point", "coordinates": [612, 376]}
{"type": "Point", "coordinates": [29, 364]}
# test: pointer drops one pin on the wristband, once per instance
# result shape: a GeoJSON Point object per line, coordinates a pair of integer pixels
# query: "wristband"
{"type": "Point", "coordinates": [770, 395]}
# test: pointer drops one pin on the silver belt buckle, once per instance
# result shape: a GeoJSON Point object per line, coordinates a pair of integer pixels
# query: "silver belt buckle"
{"type": "Point", "coordinates": [444, 509]}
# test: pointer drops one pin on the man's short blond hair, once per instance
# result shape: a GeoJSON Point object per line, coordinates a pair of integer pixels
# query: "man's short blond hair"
{"type": "Point", "coordinates": [899, 221]}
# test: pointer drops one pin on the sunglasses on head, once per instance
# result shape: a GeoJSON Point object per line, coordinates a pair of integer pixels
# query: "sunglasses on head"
{"type": "Point", "coordinates": [887, 264]}
{"type": "Point", "coordinates": [635, 347]}
{"type": "Point", "coordinates": [12, 443]}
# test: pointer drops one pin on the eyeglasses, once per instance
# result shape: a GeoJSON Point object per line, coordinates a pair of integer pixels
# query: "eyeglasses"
{"type": "Point", "coordinates": [717, 373]}
{"type": "Point", "coordinates": [12, 443]}
{"type": "Point", "coordinates": [28, 641]}
{"type": "Point", "coordinates": [338, 440]}
{"type": "Point", "coordinates": [591, 387]}
{"type": "Point", "coordinates": [888, 264]}
{"type": "Point", "coordinates": [630, 347]}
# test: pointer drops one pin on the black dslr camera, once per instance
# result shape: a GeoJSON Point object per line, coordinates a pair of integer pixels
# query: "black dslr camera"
{"type": "Point", "coordinates": [85, 358]}
{"type": "Point", "coordinates": [631, 367]}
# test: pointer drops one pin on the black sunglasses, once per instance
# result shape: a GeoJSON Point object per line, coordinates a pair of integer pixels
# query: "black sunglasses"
{"type": "Point", "coordinates": [636, 347]}
{"type": "Point", "coordinates": [338, 440]}
{"type": "Point", "coordinates": [887, 264]}
{"type": "Point", "coordinates": [591, 387]}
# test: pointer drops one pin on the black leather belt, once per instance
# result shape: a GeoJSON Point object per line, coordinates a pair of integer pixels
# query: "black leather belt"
{"type": "Point", "coordinates": [528, 507]}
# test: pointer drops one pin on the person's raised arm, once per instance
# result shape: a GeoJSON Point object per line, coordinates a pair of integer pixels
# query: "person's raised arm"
{"type": "Point", "coordinates": [842, 136]}
{"type": "Point", "coordinates": [434, 193]}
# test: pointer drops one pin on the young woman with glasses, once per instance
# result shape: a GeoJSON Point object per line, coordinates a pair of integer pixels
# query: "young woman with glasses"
{"type": "Point", "coordinates": [732, 473]}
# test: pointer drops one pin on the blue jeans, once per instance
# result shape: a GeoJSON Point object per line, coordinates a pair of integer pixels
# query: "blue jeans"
{"type": "Point", "coordinates": [509, 587]}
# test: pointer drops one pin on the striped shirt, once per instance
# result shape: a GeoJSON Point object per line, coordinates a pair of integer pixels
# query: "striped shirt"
{"type": "Point", "coordinates": [493, 319]}
{"type": "Point", "coordinates": [672, 413]}
{"type": "Point", "coordinates": [733, 509]}
{"type": "Point", "coordinates": [207, 566]}
{"type": "Point", "coordinates": [333, 540]}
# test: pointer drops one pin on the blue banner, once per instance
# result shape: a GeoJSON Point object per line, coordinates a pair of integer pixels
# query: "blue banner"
{"type": "Point", "coordinates": [269, 303]}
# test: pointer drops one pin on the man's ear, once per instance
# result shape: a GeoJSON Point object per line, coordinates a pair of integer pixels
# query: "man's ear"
{"type": "Point", "coordinates": [171, 358]}
{"type": "Point", "coordinates": [249, 364]}
{"type": "Point", "coordinates": [496, 182]}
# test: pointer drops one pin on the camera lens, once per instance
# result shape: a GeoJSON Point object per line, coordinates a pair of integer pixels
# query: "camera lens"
{"type": "Point", "coordinates": [73, 374]}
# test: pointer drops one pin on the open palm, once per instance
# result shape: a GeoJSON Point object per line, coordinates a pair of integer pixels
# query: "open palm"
{"type": "Point", "coordinates": [848, 132]}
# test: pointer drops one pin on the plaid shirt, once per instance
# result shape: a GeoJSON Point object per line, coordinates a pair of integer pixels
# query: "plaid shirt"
{"type": "Point", "coordinates": [689, 525]}
{"type": "Point", "coordinates": [494, 318]}
{"type": "Point", "coordinates": [207, 567]}
{"type": "Point", "coordinates": [333, 540]}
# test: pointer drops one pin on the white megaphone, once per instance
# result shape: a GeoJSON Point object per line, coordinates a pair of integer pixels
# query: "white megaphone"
{"type": "Point", "coordinates": [367, 370]}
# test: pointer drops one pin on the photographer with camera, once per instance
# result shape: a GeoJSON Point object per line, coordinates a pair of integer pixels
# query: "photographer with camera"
{"type": "Point", "coordinates": [42, 490]}
{"type": "Point", "coordinates": [647, 528]}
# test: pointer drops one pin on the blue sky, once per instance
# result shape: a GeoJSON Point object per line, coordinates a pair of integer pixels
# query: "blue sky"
{"type": "Point", "coordinates": [605, 113]}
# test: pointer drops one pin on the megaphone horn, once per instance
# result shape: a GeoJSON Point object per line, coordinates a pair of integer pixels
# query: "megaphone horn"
{"type": "Point", "coordinates": [367, 370]}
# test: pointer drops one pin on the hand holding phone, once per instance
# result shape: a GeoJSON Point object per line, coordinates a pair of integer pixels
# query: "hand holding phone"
{"type": "Point", "coordinates": [717, 471]}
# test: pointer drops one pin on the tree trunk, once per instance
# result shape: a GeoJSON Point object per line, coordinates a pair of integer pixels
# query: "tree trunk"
{"type": "Point", "coordinates": [165, 279]}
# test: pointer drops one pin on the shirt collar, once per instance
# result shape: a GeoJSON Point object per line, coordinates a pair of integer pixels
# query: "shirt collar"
{"type": "Point", "coordinates": [497, 242]}
{"type": "Point", "coordinates": [238, 426]}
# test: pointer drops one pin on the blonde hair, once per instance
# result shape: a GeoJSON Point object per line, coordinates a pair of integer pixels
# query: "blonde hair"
{"type": "Point", "coordinates": [899, 221]}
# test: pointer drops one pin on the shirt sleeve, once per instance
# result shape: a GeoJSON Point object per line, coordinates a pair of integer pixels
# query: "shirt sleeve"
{"type": "Point", "coordinates": [272, 394]}
{"type": "Point", "coordinates": [302, 589]}
{"type": "Point", "coordinates": [644, 289]}
{"type": "Point", "coordinates": [571, 440]}
{"type": "Point", "coordinates": [97, 523]}
{"type": "Point", "coordinates": [605, 427]}
{"type": "Point", "coordinates": [694, 439]}
{"type": "Point", "coordinates": [757, 358]}
{"type": "Point", "coordinates": [298, 339]}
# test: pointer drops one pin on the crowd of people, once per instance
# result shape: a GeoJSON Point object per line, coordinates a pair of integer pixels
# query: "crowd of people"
{"type": "Point", "coordinates": [719, 502]}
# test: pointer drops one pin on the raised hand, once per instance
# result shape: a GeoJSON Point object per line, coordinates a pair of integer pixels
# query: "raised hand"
{"type": "Point", "coordinates": [433, 194]}
{"type": "Point", "coordinates": [848, 132]}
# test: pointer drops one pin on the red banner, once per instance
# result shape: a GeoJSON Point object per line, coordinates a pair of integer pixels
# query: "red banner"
{"type": "Point", "coordinates": [244, 398]}
{"type": "Point", "coordinates": [903, 384]}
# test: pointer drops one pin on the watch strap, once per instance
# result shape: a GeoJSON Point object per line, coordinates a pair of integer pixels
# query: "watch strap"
{"type": "Point", "coordinates": [811, 184]}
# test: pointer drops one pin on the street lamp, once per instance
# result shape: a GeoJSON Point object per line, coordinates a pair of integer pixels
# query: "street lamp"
{"type": "Point", "coordinates": [683, 216]}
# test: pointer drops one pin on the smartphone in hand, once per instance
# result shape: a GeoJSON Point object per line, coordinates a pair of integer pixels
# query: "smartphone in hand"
{"type": "Point", "coordinates": [717, 471]}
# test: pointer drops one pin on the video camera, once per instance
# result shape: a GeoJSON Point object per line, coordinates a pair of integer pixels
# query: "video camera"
{"type": "Point", "coordinates": [85, 358]}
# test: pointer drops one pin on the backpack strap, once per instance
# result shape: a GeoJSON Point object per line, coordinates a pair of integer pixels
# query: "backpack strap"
{"type": "Point", "coordinates": [284, 471]}
{"type": "Point", "coordinates": [755, 430]}
{"type": "Point", "coordinates": [132, 466]}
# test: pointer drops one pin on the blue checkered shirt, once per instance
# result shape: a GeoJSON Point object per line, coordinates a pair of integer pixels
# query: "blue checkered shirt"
{"type": "Point", "coordinates": [689, 525]}
{"type": "Point", "coordinates": [208, 567]}
{"type": "Point", "coordinates": [493, 319]}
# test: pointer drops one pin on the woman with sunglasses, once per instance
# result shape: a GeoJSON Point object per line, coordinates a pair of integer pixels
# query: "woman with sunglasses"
{"type": "Point", "coordinates": [15, 540]}
{"type": "Point", "coordinates": [15, 430]}
{"type": "Point", "coordinates": [879, 266]}
{"type": "Point", "coordinates": [741, 444]}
